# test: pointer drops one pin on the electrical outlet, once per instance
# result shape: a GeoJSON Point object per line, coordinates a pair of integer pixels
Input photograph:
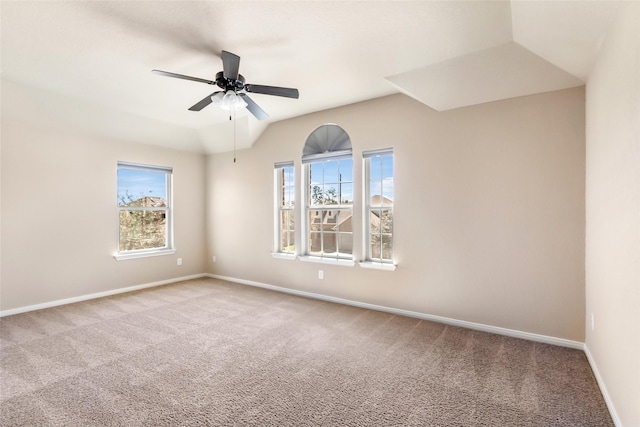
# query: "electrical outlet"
{"type": "Point", "coordinates": [213, 258]}
{"type": "Point", "coordinates": [179, 261]}
{"type": "Point", "coordinates": [320, 274]}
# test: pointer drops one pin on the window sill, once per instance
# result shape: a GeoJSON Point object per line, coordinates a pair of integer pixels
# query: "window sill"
{"type": "Point", "coordinates": [143, 254]}
{"type": "Point", "coordinates": [377, 266]}
{"type": "Point", "coordinates": [323, 260]}
{"type": "Point", "coordinates": [281, 255]}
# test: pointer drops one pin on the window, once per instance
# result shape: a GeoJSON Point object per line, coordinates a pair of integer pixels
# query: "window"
{"type": "Point", "coordinates": [330, 208]}
{"type": "Point", "coordinates": [285, 203]}
{"type": "Point", "coordinates": [328, 196]}
{"type": "Point", "coordinates": [378, 213]}
{"type": "Point", "coordinates": [144, 205]}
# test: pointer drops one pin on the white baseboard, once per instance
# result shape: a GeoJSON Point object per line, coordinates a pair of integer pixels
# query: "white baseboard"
{"type": "Point", "coordinates": [96, 295]}
{"type": "Point", "coordinates": [603, 388]}
{"type": "Point", "coordinates": [440, 319]}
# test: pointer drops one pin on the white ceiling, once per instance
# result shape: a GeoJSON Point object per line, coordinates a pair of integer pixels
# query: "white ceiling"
{"type": "Point", "coordinates": [88, 64]}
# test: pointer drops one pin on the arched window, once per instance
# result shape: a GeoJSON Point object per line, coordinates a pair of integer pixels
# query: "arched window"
{"type": "Point", "coordinates": [328, 170]}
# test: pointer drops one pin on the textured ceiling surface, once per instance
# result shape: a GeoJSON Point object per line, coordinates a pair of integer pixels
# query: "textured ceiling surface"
{"type": "Point", "coordinates": [88, 64]}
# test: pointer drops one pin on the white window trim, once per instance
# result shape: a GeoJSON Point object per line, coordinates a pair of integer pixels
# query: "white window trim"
{"type": "Point", "coordinates": [374, 265]}
{"type": "Point", "coordinates": [283, 255]}
{"type": "Point", "coordinates": [143, 253]}
{"type": "Point", "coordinates": [345, 262]}
{"type": "Point", "coordinates": [169, 249]}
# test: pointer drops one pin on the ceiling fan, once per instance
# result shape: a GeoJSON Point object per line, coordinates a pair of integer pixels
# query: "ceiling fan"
{"type": "Point", "coordinates": [233, 96]}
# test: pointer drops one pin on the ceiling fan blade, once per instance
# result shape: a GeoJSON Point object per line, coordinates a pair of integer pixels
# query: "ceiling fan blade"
{"type": "Point", "coordinates": [206, 101]}
{"type": "Point", "coordinates": [273, 90]}
{"type": "Point", "coordinates": [253, 108]}
{"type": "Point", "coordinates": [230, 65]}
{"type": "Point", "coordinates": [181, 76]}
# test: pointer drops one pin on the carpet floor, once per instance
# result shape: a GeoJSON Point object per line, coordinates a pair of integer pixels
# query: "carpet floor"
{"type": "Point", "coordinates": [212, 353]}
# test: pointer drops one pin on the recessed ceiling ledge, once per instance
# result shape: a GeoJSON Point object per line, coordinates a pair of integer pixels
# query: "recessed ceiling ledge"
{"type": "Point", "coordinates": [505, 71]}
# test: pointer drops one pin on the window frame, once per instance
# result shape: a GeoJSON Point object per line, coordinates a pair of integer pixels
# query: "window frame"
{"type": "Point", "coordinates": [310, 209]}
{"type": "Point", "coordinates": [280, 207]}
{"type": "Point", "coordinates": [168, 247]}
{"type": "Point", "coordinates": [369, 260]}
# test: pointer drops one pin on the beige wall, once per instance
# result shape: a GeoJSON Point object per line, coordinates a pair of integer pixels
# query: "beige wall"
{"type": "Point", "coordinates": [489, 210]}
{"type": "Point", "coordinates": [60, 221]}
{"type": "Point", "coordinates": [613, 214]}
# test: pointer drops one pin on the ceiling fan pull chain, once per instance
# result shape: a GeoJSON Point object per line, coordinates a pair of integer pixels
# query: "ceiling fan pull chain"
{"type": "Point", "coordinates": [234, 134]}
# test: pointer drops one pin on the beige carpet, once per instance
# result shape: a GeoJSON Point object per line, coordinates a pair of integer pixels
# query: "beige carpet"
{"type": "Point", "coordinates": [208, 352]}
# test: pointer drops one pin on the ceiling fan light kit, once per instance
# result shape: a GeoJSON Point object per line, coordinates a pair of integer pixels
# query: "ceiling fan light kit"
{"type": "Point", "coordinates": [228, 101]}
{"type": "Point", "coordinates": [233, 96]}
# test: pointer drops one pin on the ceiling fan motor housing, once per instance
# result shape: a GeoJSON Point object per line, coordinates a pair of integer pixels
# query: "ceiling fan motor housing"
{"type": "Point", "coordinates": [229, 84]}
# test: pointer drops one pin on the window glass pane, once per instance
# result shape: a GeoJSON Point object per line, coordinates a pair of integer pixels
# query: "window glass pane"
{"type": "Point", "coordinates": [288, 178]}
{"type": "Point", "coordinates": [387, 191]}
{"type": "Point", "coordinates": [346, 194]}
{"type": "Point", "coordinates": [386, 221]}
{"type": "Point", "coordinates": [331, 217]}
{"type": "Point", "coordinates": [346, 170]}
{"type": "Point", "coordinates": [375, 170]}
{"type": "Point", "coordinates": [316, 196]}
{"type": "Point", "coordinates": [316, 173]}
{"type": "Point", "coordinates": [288, 196]}
{"type": "Point", "coordinates": [141, 188]}
{"type": "Point", "coordinates": [375, 189]}
{"type": "Point", "coordinates": [286, 218]}
{"type": "Point", "coordinates": [142, 230]}
{"type": "Point", "coordinates": [387, 248]}
{"type": "Point", "coordinates": [315, 220]}
{"type": "Point", "coordinates": [344, 220]}
{"type": "Point", "coordinates": [288, 182]}
{"type": "Point", "coordinates": [331, 172]}
{"type": "Point", "coordinates": [292, 242]}
{"type": "Point", "coordinates": [374, 246]}
{"type": "Point", "coordinates": [290, 221]}
{"type": "Point", "coordinates": [331, 195]}
{"type": "Point", "coordinates": [345, 243]}
{"type": "Point", "coordinates": [329, 243]}
{"type": "Point", "coordinates": [315, 243]}
{"type": "Point", "coordinates": [374, 221]}
{"type": "Point", "coordinates": [288, 231]}
{"type": "Point", "coordinates": [387, 166]}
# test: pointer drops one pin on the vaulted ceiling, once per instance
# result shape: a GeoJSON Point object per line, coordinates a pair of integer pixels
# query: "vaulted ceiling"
{"type": "Point", "coordinates": [87, 65]}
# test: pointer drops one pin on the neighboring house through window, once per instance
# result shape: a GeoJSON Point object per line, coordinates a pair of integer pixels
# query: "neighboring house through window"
{"type": "Point", "coordinates": [285, 204]}
{"type": "Point", "coordinates": [378, 212]}
{"type": "Point", "coordinates": [328, 171]}
{"type": "Point", "coordinates": [144, 205]}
